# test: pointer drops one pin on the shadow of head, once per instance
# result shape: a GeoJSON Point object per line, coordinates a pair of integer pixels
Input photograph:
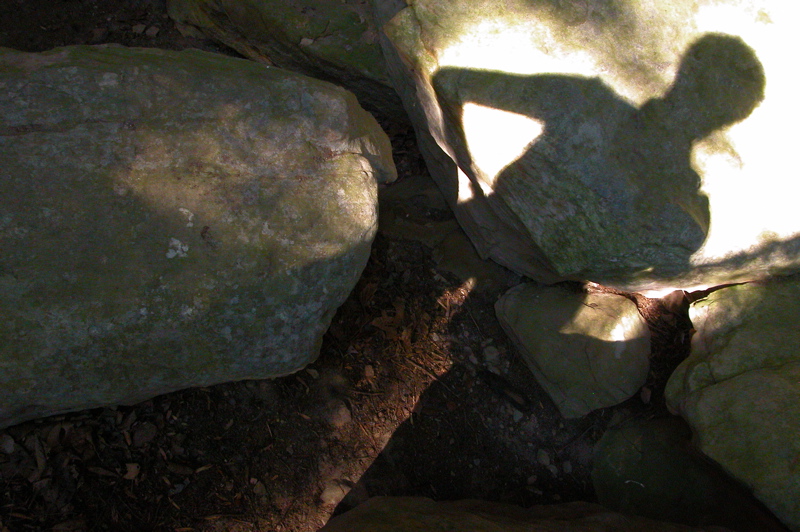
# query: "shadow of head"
{"type": "Point", "coordinates": [720, 81]}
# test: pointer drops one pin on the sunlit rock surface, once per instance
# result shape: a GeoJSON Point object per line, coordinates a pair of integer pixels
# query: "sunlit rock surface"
{"type": "Point", "coordinates": [740, 388]}
{"type": "Point", "coordinates": [172, 219]}
{"type": "Point", "coordinates": [417, 514]}
{"type": "Point", "coordinates": [588, 351]}
{"type": "Point", "coordinates": [335, 40]}
{"type": "Point", "coordinates": [637, 144]}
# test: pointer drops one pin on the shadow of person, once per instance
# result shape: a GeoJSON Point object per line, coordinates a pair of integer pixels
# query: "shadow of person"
{"type": "Point", "coordinates": [605, 186]}
{"type": "Point", "coordinates": [607, 190]}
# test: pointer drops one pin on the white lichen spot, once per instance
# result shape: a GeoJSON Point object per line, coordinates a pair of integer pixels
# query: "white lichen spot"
{"type": "Point", "coordinates": [189, 216]}
{"type": "Point", "coordinates": [186, 311]}
{"type": "Point", "coordinates": [226, 333]}
{"type": "Point", "coordinates": [109, 79]}
{"type": "Point", "coordinates": [176, 248]}
{"type": "Point", "coordinates": [266, 231]}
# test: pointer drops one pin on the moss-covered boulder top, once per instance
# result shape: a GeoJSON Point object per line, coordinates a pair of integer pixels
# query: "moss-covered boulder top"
{"type": "Point", "coordinates": [336, 40]}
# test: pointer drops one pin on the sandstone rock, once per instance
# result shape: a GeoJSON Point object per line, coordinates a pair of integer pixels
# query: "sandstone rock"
{"type": "Point", "coordinates": [412, 514]}
{"type": "Point", "coordinates": [172, 219]}
{"type": "Point", "coordinates": [624, 145]}
{"type": "Point", "coordinates": [588, 351]}
{"type": "Point", "coordinates": [739, 389]}
{"type": "Point", "coordinates": [647, 468]}
{"type": "Point", "coordinates": [335, 40]}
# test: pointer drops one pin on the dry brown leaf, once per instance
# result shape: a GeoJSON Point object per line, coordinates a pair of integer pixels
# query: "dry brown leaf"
{"type": "Point", "coordinates": [203, 468]}
{"type": "Point", "coordinates": [101, 471]}
{"type": "Point", "coordinates": [180, 469]}
{"type": "Point", "coordinates": [367, 293]}
{"type": "Point", "coordinates": [132, 471]}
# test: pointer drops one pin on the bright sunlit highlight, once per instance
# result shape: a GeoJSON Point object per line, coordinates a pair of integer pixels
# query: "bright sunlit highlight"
{"type": "Point", "coordinates": [497, 138]}
{"type": "Point", "coordinates": [465, 193]}
{"type": "Point", "coordinates": [496, 45]}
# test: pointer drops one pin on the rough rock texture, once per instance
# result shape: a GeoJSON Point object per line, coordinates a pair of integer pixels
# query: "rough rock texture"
{"type": "Point", "coordinates": [647, 467]}
{"type": "Point", "coordinates": [335, 40]}
{"type": "Point", "coordinates": [740, 388]}
{"type": "Point", "coordinates": [622, 143]}
{"type": "Point", "coordinates": [416, 514]}
{"type": "Point", "coordinates": [588, 351]}
{"type": "Point", "coordinates": [171, 219]}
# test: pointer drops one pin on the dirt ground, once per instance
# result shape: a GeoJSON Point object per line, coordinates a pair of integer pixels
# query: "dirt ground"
{"type": "Point", "coordinates": [417, 390]}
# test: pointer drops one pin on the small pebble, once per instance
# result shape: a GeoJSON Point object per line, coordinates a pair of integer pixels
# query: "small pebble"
{"type": "Point", "coordinates": [567, 467]}
{"type": "Point", "coordinates": [646, 394]}
{"type": "Point", "coordinates": [152, 31]}
{"type": "Point", "coordinates": [333, 493]}
{"type": "Point", "coordinates": [543, 457]}
{"type": "Point", "coordinates": [340, 416]}
{"type": "Point", "coordinates": [259, 489]}
{"type": "Point", "coordinates": [369, 372]}
{"type": "Point", "coordinates": [138, 29]}
{"type": "Point", "coordinates": [7, 444]}
{"type": "Point", "coordinates": [491, 354]}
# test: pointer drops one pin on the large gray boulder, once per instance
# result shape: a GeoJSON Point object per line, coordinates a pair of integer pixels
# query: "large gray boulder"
{"type": "Point", "coordinates": [335, 40]}
{"type": "Point", "coordinates": [172, 219]}
{"type": "Point", "coordinates": [588, 351]}
{"type": "Point", "coordinates": [739, 389]}
{"type": "Point", "coordinates": [626, 144]}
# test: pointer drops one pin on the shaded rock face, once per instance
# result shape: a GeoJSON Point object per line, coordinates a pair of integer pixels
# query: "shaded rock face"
{"type": "Point", "coordinates": [588, 351]}
{"type": "Point", "coordinates": [172, 219]}
{"type": "Point", "coordinates": [411, 514]}
{"type": "Point", "coordinates": [329, 39]}
{"type": "Point", "coordinates": [614, 143]}
{"type": "Point", "coordinates": [648, 468]}
{"type": "Point", "coordinates": [739, 389]}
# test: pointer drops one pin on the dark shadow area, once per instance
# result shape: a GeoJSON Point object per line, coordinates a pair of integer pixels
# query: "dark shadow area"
{"type": "Point", "coordinates": [484, 429]}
